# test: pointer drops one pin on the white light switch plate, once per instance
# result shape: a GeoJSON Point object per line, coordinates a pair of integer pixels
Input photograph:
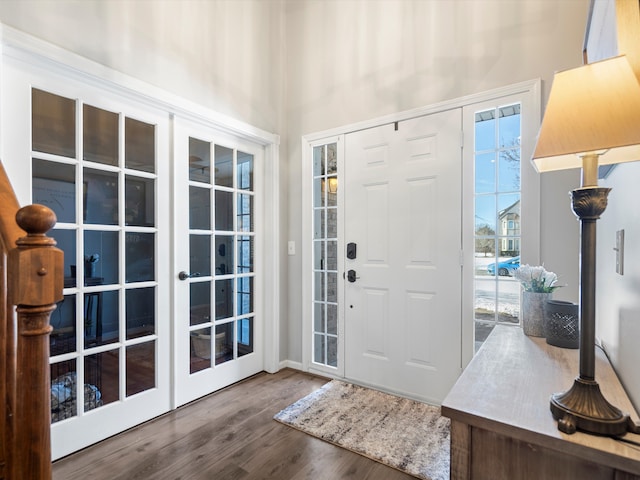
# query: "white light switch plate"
{"type": "Point", "coordinates": [291, 247]}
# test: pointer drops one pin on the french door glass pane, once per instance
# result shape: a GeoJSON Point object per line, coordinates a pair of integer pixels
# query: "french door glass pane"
{"type": "Point", "coordinates": [245, 336]}
{"type": "Point", "coordinates": [101, 326]}
{"type": "Point", "coordinates": [245, 213]}
{"type": "Point", "coordinates": [53, 128]}
{"type": "Point", "coordinates": [141, 367]}
{"type": "Point", "coordinates": [224, 298]}
{"type": "Point", "coordinates": [224, 210]}
{"type": "Point", "coordinates": [139, 198]}
{"type": "Point", "coordinates": [245, 171]}
{"type": "Point", "coordinates": [140, 312]}
{"type": "Point", "coordinates": [63, 320]}
{"type": "Point", "coordinates": [199, 161]}
{"type": "Point", "coordinates": [200, 255]}
{"type": "Point", "coordinates": [100, 257]}
{"type": "Point", "coordinates": [223, 166]}
{"type": "Point", "coordinates": [200, 303]}
{"type": "Point", "coordinates": [99, 135]}
{"type": "Point", "coordinates": [54, 186]}
{"type": "Point", "coordinates": [139, 146]}
{"type": "Point", "coordinates": [200, 341]}
{"type": "Point", "coordinates": [102, 376]}
{"type": "Point", "coordinates": [224, 254]}
{"type": "Point", "coordinates": [224, 342]}
{"type": "Point", "coordinates": [100, 199]}
{"type": "Point", "coordinates": [63, 390]}
{"type": "Point", "coordinates": [140, 258]}
{"type": "Point", "coordinates": [245, 295]}
{"type": "Point", "coordinates": [245, 254]}
{"type": "Point", "coordinates": [66, 241]}
{"type": "Point", "coordinates": [199, 208]}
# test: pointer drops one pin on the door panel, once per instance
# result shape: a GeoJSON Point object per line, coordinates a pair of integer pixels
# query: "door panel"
{"type": "Point", "coordinates": [97, 162]}
{"type": "Point", "coordinates": [403, 209]}
{"type": "Point", "coordinates": [218, 328]}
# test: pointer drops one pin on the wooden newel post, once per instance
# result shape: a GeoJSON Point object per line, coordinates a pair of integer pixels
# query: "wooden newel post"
{"type": "Point", "coordinates": [35, 286]}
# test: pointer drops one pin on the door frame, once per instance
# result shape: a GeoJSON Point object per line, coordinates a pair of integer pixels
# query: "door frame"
{"type": "Point", "coordinates": [530, 94]}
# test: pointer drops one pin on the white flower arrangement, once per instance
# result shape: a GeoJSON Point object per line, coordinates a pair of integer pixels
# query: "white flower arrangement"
{"type": "Point", "coordinates": [536, 279]}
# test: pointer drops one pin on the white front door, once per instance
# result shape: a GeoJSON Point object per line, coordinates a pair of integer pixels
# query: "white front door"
{"type": "Point", "coordinates": [218, 327]}
{"type": "Point", "coordinates": [403, 288]}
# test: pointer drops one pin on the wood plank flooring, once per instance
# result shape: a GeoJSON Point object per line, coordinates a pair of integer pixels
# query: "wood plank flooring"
{"type": "Point", "coordinates": [229, 435]}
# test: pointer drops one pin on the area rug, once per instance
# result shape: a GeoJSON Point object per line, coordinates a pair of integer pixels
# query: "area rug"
{"type": "Point", "coordinates": [410, 436]}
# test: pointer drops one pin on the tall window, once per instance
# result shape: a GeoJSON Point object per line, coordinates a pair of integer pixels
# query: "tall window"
{"type": "Point", "coordinates": [497, 195]}
{"type": "Point", "coordinates": [325, 255]}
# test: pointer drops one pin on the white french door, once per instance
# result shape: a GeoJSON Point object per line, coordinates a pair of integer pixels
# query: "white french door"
{"type": "Point", "coordinates": [218, 303]}
{"type": "Point", "coordinates": [100, 164]}
{"type": "Point", "coordinates": [402, 302]}
{"type": "Point", "coordinates": [131, 340]}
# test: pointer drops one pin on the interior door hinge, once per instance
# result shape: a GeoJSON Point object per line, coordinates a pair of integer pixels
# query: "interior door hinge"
{"type": "Point", "coordinates": [461, 138]}
{"type": "Point", "coordinates": [461, 259]}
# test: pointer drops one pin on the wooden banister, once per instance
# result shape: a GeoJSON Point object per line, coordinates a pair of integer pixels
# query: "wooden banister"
{"type": "Point", "coordinates": [32, 279]}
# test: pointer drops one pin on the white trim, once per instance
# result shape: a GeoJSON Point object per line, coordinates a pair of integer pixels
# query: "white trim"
{"type": "Point", "coordinates": [271, 261]}
{"type": "Point", "coordinates": [291, 364]}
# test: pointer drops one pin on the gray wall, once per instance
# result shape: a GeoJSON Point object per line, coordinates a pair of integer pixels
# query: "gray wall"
{"type": "Point", "coordinates": [298, 67]}
{"type": "Point", "coordinates": [225, 55]}
{"type": "Point", "coordinates": [351, 61]}
{"type": "Point", "coordinates": [618, 296]}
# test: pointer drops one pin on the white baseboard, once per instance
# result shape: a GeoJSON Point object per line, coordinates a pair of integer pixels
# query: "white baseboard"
{"type": "Point", "coordinates": [290, 364]}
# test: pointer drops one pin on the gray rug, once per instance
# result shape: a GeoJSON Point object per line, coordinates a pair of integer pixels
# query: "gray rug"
{"type": "Point", "coordinates": [404, 434]}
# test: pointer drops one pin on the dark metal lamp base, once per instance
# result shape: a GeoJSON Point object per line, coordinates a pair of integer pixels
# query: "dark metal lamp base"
{"type": "Point", "coordinates": [583, 407]}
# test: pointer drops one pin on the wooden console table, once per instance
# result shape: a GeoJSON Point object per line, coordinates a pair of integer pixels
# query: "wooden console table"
{"type": "Point", "coordinates": [501, 425]}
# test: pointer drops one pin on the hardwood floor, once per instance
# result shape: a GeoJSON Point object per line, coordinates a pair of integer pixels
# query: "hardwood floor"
{"type": "Point", "coordinates": [228, 435]}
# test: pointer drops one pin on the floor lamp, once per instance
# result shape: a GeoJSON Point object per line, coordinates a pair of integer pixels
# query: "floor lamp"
{"type": "Point", "coordinates": [592, 118]}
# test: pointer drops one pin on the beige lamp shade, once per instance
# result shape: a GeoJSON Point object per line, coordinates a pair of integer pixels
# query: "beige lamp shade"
{"type": "Point", "coordinates": [594, 108]}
